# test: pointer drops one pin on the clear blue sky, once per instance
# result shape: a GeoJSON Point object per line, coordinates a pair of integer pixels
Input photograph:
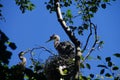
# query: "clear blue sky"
{"type": "Point", "coordinates": [33, 28]}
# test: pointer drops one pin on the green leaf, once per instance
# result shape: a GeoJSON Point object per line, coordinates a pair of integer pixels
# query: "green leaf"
{"type": "Point", "coordinates": [102, 71]}
{"type": "Point", "coordinates": [107, 75]}
{"type": "Point", "coordinates": [1, 5]}
{"type": "Point", "coordinates": [103, 6]}
{"type": "Point", "coordinates": [64, 0]}
{"type": "Point", "coordinates": [85, 26]}
{"type": "Point", "coordinates": [92, 75]}
{"type": "Point", "coordinates": [109, 64]}
{"type": "Point", "coordinates": [48, 7]}
{"type": "Point", "coordinates": [31, 7]}
{"type": "Point", "coordinates": [26, 77]}
{"type": "Point", "coordinates": [0, 14]}
{"type": "Point", "coordinates": [106, 0]}
{"type": "Point", "coordinates": [73, 28]}
{"type": "Point", "coordinates": [65, 71]}
{"type": "Point", "coordinates": [82, 66]}
{"type": "Point", "coordinates": [69, 14]}
{"type": "Point", "coordinates": [115, 68]}
{"type": "Point", "coordinates": [12, 45]}
{"type": "Point", "coordinates": [88, 66]}
{"type": "Point", "coordinates": [80, 30]}
{"type": "Point", "coordinates": [98, 57]}
{"type": "Point", "coordinates": [116, 78]}
{"type": "Point", "coordinates": [66, 4]}
{"type": "Point", "coordinates": [101, 43]}
{"type": "Point", "coordinates": [103, 66]}
{"type": "Point", "coordinates": [108, 59]}
{"type": "Point", "coordinates": [84, 78]}
{"type": "Point", "coordinates": [117, 55]}
{"type": "Point", "coordinates": [96, 79]}
{"type": "Point", "coordinates": [94, 9]}
{"type": "Point", "coordinates": [90, 58]}
{"type": "Point", "coordinates": [90, 16]}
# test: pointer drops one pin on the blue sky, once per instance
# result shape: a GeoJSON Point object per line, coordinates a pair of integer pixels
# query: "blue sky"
{"type": "Point", "coordinates": [33, 28]}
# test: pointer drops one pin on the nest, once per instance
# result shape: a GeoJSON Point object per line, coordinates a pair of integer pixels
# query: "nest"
{"type": "Point", "coordinates": [52, 64]}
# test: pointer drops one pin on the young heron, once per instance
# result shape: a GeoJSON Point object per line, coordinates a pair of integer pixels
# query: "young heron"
{"type": "Point", "coordinates": [63, 48]}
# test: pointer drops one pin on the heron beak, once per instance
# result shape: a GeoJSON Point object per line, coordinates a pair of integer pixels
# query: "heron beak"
{"type": "Point", "coordinates": [49, 40]}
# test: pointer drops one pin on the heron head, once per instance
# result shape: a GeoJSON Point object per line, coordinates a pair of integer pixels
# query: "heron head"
{"type": "Point", "coordinates": [54, 37]}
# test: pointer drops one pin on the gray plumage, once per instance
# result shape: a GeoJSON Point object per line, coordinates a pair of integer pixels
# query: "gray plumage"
{"type": "Point", "coordinates": [63, 48]}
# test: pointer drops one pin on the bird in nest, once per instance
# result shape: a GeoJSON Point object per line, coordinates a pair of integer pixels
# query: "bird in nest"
{"type": "Point", "coordinates": [63, 48]}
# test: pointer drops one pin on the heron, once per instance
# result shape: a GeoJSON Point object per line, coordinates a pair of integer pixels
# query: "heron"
{"type": "Point", "coordinates": [63, 48]}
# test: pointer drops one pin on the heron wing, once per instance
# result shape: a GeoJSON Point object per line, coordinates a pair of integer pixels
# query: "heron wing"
{"type": "Point", "coordinates": [65, 48]}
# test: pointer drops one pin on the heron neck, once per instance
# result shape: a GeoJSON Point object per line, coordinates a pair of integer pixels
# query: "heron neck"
{"type": "Point", "coordinates": [56, 43]}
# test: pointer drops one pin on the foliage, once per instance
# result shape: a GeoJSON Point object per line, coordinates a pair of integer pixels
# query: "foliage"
{"type": "Point", "coordinates": [5, 55]}
{"type": "Point", "coordinates": [16, 72]}
{"type": "Point", "coordinates": [54, 64]}
{"type": "Point", "coordinates": [1, 15]}
{"type": "Point", "coordinates": [109, 69]}
{"type": "Point", "coordinates": [25, 5]}
{"type": "Point", "coordinates": [38, 71]}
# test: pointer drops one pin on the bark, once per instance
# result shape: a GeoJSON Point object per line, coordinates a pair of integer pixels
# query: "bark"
{"type": "Point", "coordinates": [72, 37]}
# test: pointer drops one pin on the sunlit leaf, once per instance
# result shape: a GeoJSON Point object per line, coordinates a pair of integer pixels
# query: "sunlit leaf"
{"type": "Point", "coordinates": [26, 77]}
{"type": "Point", "coordinates": [12, 45]}
{"type": "Point", "coordinates": [65, 71]}
{"type": "Point", "coordinates": [69, 14]}
{"type": "Point", "coordinates": [106, 0]}
{"type": "Point", "coordinates": [31, 7]}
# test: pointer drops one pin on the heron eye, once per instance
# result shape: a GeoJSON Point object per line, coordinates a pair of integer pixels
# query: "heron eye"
{"type": "Point", "coordinates": [55, 37]}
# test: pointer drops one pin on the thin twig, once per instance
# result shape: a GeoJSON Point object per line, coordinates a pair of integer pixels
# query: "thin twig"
{"type": "Point", "coordinates": [88, 38]}
{"type": "Point", "coordinates": [94, 44]}
{"type": "Point", "coordinates": [23, 59]}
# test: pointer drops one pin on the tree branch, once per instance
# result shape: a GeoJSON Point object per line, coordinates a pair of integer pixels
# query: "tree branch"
{"type": "Point", "coordinates": [22, 53]}
{"type": "Point", "coordinates": [94, 44]}
{"type": "Point", "coordinates": [88, 38]}
{"type": "Point", "coordinates": [71, 36]}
